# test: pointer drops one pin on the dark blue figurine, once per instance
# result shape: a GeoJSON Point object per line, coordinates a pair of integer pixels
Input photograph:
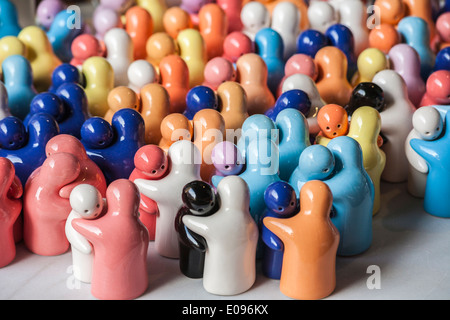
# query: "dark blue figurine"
{"type": "Point", "coordinates": [294, 99]}
{"type": "Point", "coordinates": [112, 147]}
{"type": "Point", "coordinates": [18, 79]}
{"type": "Point", "coordinates": [61, 34]}
{"type": "Point", "coordinates": [270, 47]}
{"type": "Point", "coordinates": [442, 61]}
{"type": "Point", "coordinates": [199, 98]}
{"type": "Point", "coordinates": [281, 202]}
{"type": "Point", "coordinates": [65, 73]}
{"type": "Point", "coordinates": [341, 37]}
{"type": "Point", "coordinates": [310, 41]}
{"type": "Point", "coordinates": [25, 146]}
{"type": "Point", "coordinates": [9, 19]}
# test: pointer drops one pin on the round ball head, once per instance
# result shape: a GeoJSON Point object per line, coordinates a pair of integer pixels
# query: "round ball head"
{"type": "Point", "coordinates": [152, 161]}
{"type": "Point", "coordinates": [281, 199]}
{"type": "Point", "coordinates": [199, 197]}
{"type": "Point", "coordinates": [87, 201]}
{"type": "Point", "coordinates": [13, 134]}
{"type": "Point", "coordinates": [366, 94]}
{"type": "Point", "coordinates": [97, 133]}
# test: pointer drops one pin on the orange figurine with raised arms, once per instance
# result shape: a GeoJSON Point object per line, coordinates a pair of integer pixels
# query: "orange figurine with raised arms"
{"type": "Point", "coordinates": [310, 245]}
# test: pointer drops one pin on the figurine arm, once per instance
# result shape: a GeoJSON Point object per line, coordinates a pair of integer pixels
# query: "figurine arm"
{"type": "Point", "coordinates": [153, 189]}
{"type": "Point", "coordinates": [76, 239]}
{"type": "Point", "coordinates": [16, 189]}
{"type": "Point", "coordinates": [196, 224]}
{"type": "Point", "coordinates": [216, 179]}
{"type": "Point", "coordinates": [422, 149]}
{"type": "Point", "coordinates": [414, 159]}
{"type": "Point", "coordinates": [87, 228]}
{"type": "Point", "coordinates": [271, 240]}
{"type": "Point", "coordinates": [279, 228]}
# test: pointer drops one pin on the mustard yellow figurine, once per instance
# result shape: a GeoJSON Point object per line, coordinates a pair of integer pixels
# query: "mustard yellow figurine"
{"type": "Point", "coordinates": [365, 127]}
{"type": "Point", "coordinates": [370, 61]}
{"type": "Point", "coordinates": [11, 46]}
{"type": "Point", "coordinates": [157, 8]}
{"type": "Point", "coordinates": [99, 77]}
{"type": "Point", "coordinates": [193, 51]}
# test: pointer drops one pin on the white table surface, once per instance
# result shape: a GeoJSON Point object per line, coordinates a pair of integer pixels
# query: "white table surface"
{"type": "Point", "coordinates": [411, 248]}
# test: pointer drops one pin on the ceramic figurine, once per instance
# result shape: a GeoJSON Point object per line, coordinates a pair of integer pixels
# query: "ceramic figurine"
{"type": "Point", "coordinates": [99, 77]}
{"type": "Point", "coordinates": [299, 63]}
{"type": "Point", "coordinates": [281, 202]}
{"type": "Point", "coordinates": [442, 60]}
{"type": "Point", "coordinates": [86, 203]}
{"type": "Point", "coordinates": [176, 19]}
{"type": "Point", "coordinates": [193, 51]}
{"type": "Point", "coordinates": [105, 19]}
{"type": "Point", "coordinates": [10, 46]}
{"type": "Point", "coordinates": [199, 98]}
{"type": "Point", "coordinates": [83, 47]}
{"type": "Point", "coordinates": [353, 14]}
{"type": "Point", "coordinates": [434, 154]}
{"type": "Point", "coordinates": [286, 21]}
{"type": "Point", "coordinates": [370, 62]}
{"type": "Point", "coordinates": [121, 97]}
{"type": "Point", "coordinates": [227, 159]}
{"type": "Point", "coordinates": [194, 7]}
{"type": "Point", "coordinates": [119, 47]}
{"type": "Point", "coordinates": [427, 125]}
{"type": "Point", "coordinates": [11, 207]}
{"type": "Point", "coordinates": [232, 101]}
{"type": "Point", "coordinates": [322, 15]}
{"type": "Point", "coordinates": [139, 26]}
{"type": "Point", "coordinates": [167, 193]}
{"type": "Point", "coordinates": [391, 11]}
{"type": "Point", "coordinates": [46, 12]}
{"type": "Point", "coordinates": [65, 73]}
{"type": "Point", "coordinates": [157, 8]}
{"type": "Point", "coordinates": [112, 147]}
{"type": "Point", "coordinates": [175, 127]}
{"type": "Point", "coordinates": [4, 105]}
{"type": "Point", "coordinates": [333, 123]}
{"type": "Point", "coordinates": [366, 94]}
{"type": "Point", "coordinates": [217, 71]}
{"type": "Point", "coordinates": [120, 263]}
{"type": "Point", "coordinates": [253, 77]}
{"type": "Point", "coordinates": [9, 18]}
{"type": "Point", "coordinates": [213, 26]}
{"type": "Point", "coordinates": [160, 45]}
{"type": "Point", "coordinates": [237, 44]}
{"type": "Point", "coordinates": [384, 38]}
{"type": "Point", "coordinates": [155, 106]}
{"type": "Point", "coordinates": [295, 99]}
{"type": "Point", "coordinates": [254, 17]}
{"type": "Point", "coordinates": [228, 272]}
{"type": "Point", "coordinates": [41, 56]}
{"type": "Point", "coordinates": [199, 199]}
{"type": "Point", "coordinates": [151, 163]}
{"type": "Point", "coordinates": [174, 72]}
{"type": "Point", "coordinates": [437, 89]}
{"type": "Point", "coordinates": [442, 30]}
{"type": "Point", "coordinates": [141, 73]}
{"type": "Point", "coordinates": [209, 130]}
{"type": "Point", "coordinates": [18, 80]}
{"type": "Point", "coordinates": [396, 124]}
{"type": "Point", "coordinates": [341, 36]}
{"type": "Point", "coordinates": [301, 5]}
{"type": "Point", "coordinates": [365, 128]}
{"type": "Point", "coordinates": [25, 147]}
{"type": "Point", "coordinates": [405, 60]}
{"type": "Point", "coordinates": [310, 41]}
{"type": "Point", "coordinates": [422, 9]}
{"type": "Point", "coordinates": [333, 86]}
{"type": "Point", "coordinates": [309, 266]}
{"type": "Point", "coordinates": [416, 33]}
{"type": "Point", "coordinates": [232, 9]}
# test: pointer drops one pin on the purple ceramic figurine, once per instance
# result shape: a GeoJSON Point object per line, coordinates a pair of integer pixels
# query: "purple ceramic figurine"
{"type": "Point", "coordinates": [46, 12]}
{"type": "Point", "coordinates": [227, 159]}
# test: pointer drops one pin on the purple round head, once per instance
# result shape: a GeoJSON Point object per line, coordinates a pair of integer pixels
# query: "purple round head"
{"type": "Point", "coordinates": [104, 20]}
{"type": "Point", "coordinates": [47, 10]}
{"type": "Point", "coordinates": [193, 6]}
{"type": "Point", "coordinates": [227, 159]}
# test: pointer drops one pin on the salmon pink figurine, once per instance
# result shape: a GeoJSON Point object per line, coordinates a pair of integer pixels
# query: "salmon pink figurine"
{"type": "Point", "coordinates": [438, 89]}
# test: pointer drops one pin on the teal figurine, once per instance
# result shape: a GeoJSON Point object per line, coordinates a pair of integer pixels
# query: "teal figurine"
{"type": "Point", "coordinates": [437, 156]}
{"type": "Point", "coordinates": [9, 19]}
{"type": "Point", "coordinates": [18, 80]}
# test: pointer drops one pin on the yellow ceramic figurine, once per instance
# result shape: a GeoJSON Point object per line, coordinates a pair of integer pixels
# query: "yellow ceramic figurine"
{"type": "Point", "coordinates": [156, 9]}
{"type": "Point", "coordinates": [370, 61]}
{"type": "Point", "coordinates": [193, 51]}
{"type": "Point", "coordinates": [10, 46]}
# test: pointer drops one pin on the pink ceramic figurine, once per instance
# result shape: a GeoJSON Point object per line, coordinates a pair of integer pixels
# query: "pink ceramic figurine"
{"type": "Point", "coordinates": [438, 89]}
{"type": "Point", "coordinates": [10, 208]}
{"type": "Point", "coordinates": [120, 243]}
{"type": "Point", "coordinates": [217, 71]}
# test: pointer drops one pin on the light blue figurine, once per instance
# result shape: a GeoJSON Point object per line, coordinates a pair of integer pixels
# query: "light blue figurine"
{"type": "Point", "coordinates": [437, 155]}
{"type": "Point", "coordinates": [62, 33]}
{"type": "Point", "coordinates": [18, 79]}
{"type": "Point", "coordinates": [269, 45]}
{"type": "Point", "coordinates": [9, 19]}
{"type": "Point", "coordinates": [416, 33]}
{"type": "Point", "coordinates": [294, 138]}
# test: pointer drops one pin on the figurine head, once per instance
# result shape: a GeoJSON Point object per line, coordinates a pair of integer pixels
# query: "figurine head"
{"type": "Point", "coordinates": [310, 42]}
{"type": "Point", "coordinates": [87, 201]}
{"type": "Point", "coordinates": [13, 134]}
{"type": "Point", "coordinates": [280, 198]}
{"type": "Point", "coordinates": [236, 44]}
{"type": "Point", "coordinates": [227, 158]}
{"type": "Point", "coordinates": [366, 94]}
{"type": "Point", "coordinates": [428, 123]}
{"type": "Point", "coordinates": [199, 197]}
{"type": "Point", "coordinates": [66, 143]}
{"type": "Point", "coordinates": [295, 99]}
{"type": "Point", "coordinates": [333, 121]}
{"type": "Point", "coordinates": [199, 98]}
{"type": "Point", "coordinates": [151, 161]}
{"type": "Point", "coordinates": [46, 12]}
{"type": "Point", "coordinates": [255, 16]}
{"type": "Point", "coordinates": [97, 133]}
{"type": "Point", "coordinates": [85, 46]}
{"type": "Point", "coordinates": [317, 162]}
{"type": "Point", "coordinates": [50, 103]}
{"type": "Point", "coordinates": [438, 87]}
{"type": "Point", "coordinates": [65, 73]}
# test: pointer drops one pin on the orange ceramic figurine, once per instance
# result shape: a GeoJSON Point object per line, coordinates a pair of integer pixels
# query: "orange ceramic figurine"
{"type": "Point", "coordinates": [310, 245]}
{"type": "Point", "coordinates": [252, 75]}
{"type": "Point", "coordinates": [391, 11]}
{"type": "Point", "coordinates": [175, 127]}
{"type": "Point", "coordinates": [155, 106]}
{"type": "Point", "coordinates": [384, 37]}
{"type": "Point", "coordinates": [232, 105]}
{"type": "Point", "coordinates": [333, 122]}
{"type": "Point", "coordinates": [332, 82]}
{"type": "Point", "coordinates": [176, 19]}
{"type": "Point", "coordinates": [174, 74]}
{"type": "Point", "coordinates": [209, 130]}
{"type": "Point", "coordinates": [213, 26]}
{"type": "Point", "coordinates": [158, 46]}
{"type": "Point", "coordinates": [119, 98]}
{"type": "Point", "coordinates": [422, 9]}
{"type": "Point", "coordinates": [139, 25]}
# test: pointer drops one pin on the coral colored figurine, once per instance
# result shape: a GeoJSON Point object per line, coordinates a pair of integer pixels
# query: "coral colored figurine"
{"type": "Point", "coordinates": [87, 203]}
{"type": "Point", "coordinates": [120, 263]}
{"type": "Point", "coordinates": [231, 236]}
{"type": "Point", "coordinates": [199, 199]}
{"type": "Point", "coordinates": [333, 123]}
{"type": "Point", "coordinates": [310, 244]}
{"type": "Point", "coordinates": [237, 44]}
{"type": "Point", "coordinates": [83, 47]}
{"type": "Point", "coordinates": [281, 202]}
{"type": "Point", "coordinates": [213, 26]}
{"type": "Point", "coordinates": [167, 193]}
{"type": "Point", "coordinates": [151, 163]}
{"type": "Point", "coordinates": [10, 208]}
{"type": "Point", "coordinates": [174, 73]}
{"type": "Point", "coordinates": [384, 37]}
{"type": "Point", "coordinates": [437, 89]}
